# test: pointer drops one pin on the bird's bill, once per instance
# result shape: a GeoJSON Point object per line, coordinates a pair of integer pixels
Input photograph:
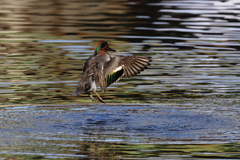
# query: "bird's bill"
{"type": "Point", "coordinates": [110, 49]}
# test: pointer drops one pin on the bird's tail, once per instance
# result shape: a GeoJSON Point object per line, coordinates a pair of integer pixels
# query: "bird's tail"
{"type": "Point", "coordinates": [76, 93]}
{"type": "Point", "coordinates": [81, 89]}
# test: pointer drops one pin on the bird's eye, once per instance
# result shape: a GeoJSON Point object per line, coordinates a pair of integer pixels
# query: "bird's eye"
{"type": "Point", "coordinates": [103, 45]}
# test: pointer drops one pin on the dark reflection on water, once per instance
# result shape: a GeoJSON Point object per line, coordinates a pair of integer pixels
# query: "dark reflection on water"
{"type": "Point", "coordinates": [194, 46]}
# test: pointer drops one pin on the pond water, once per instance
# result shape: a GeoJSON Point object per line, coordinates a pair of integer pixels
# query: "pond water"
{"type": "Point", "coordinates": [194, 47]}
{"type": "Point", "coordinates": [122, 131]}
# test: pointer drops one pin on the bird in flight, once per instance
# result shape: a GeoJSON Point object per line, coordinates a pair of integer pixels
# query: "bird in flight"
{"type": "Point", "coordinates": [103, 69]}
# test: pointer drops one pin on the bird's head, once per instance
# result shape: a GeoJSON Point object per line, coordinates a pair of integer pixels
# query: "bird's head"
{"type": "Point", "coordinates": [101, 48]}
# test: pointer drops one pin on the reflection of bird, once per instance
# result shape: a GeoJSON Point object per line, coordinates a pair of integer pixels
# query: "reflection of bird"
{"type": "Point", "coordinates": [102, 69]}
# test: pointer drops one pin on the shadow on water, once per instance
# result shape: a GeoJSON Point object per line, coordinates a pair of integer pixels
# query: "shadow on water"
{"type": "Point", "coordinates": [193, 78]}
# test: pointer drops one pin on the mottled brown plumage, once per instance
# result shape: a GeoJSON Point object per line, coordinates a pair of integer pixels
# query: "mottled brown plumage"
{"type": "Point", "coordinates": [102, 69]}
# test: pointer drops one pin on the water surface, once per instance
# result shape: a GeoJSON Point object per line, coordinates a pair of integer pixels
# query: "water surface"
{"type": "Point", "coordinates": [189, 96]}
{"type": "Point", "coordinates": [194, 47]}
{"type": "Point", "coordinates": [180, 130]}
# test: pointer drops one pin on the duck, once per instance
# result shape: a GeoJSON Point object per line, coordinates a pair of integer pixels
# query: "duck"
{"type": "Point", "coordinates": [103, 69]}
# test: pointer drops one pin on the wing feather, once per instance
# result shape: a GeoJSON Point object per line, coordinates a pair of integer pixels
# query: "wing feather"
{"type": "Point", "coordinates": [115, 76]}
{"type": "Point", "coordinates": [119, 66]}
{"type": "Point", "coordinates": [134, 64]}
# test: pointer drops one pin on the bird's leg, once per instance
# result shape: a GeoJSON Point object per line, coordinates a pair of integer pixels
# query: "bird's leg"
{"type": "Point", "coordinates": [100, 99]}
{"type": "Point", "coordinates": [92, 98]}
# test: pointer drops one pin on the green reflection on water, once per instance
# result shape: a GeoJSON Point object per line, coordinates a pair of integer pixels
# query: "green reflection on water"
{"type": "Point", "coordinates": [35, 71]}
{"type": "Point", "coordinates": [102, 150]}
{"type": "Point", "coordinates": [37, 63]}
{"type": "Point", "coordinates": [195, 54]}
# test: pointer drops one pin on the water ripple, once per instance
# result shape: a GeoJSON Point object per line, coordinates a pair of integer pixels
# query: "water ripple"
{"type": "Point", "coordinates": [193, 44]}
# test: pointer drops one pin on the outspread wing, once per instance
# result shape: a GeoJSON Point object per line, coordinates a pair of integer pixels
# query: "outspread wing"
{"type": "Point", "coordinates": [108, 71]}
{"type": "Point", "coordinates": [126, 66]}
{"type": "Point", "coordinates": [112, 72]}
{"type": "Point", "coordinates": [134, 64]}
{"type": "Point", "coordinates": [115, 75]}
